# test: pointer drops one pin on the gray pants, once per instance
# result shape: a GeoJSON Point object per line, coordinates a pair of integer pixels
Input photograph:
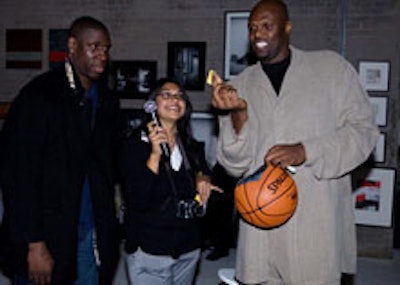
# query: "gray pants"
{"type": "Point", "coordinates": [144, 268]}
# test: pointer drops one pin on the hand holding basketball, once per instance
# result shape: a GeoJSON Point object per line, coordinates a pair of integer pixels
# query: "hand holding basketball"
{"type": "Point", "coordinates": [285, 155]}
{"type": "Point", "coordinates": [267, 198]}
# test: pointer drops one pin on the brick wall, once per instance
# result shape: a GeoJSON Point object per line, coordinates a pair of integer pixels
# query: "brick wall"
{"type": "Point", "coordinates": [141, 29]}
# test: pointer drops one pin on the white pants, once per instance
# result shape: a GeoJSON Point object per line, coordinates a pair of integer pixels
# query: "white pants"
{"type": "Point", "coordinates": [148, 269]}
{"type": "Point", "coordinates": [279, 282]}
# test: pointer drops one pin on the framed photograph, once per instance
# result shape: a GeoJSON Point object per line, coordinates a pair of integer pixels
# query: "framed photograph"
{"type": "Point", "coordinates": [57, 47]}
{"type": "Point", "coordinates": [238, 54]}
{"type": "Point", "coordinates": [204, 126]}
{"type": "Point", "coordinates": [374, 75]}
{"type": "Point", "coordinates": [24, 48]}
{"type": "Point", "coordinates": [133, 79]}
{"type": "Point", "coordinates": [379, 150]}
{"type": "Point", "coordinates": [186, 63]}
{"type": "Point", "coordinates": [379, 106]}
{"type": "Point", "coordinates": [373, 196]}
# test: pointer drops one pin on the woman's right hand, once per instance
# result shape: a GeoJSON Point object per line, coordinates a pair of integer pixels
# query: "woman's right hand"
{"type": "Point", "coordinates": [156, 136]}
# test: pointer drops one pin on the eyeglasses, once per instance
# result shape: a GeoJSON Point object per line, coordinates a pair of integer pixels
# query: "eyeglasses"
{"type": "Point", "coordinates": [165, 95]}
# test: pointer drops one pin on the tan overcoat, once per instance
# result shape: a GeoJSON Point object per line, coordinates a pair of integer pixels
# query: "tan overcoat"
{"type": "Point", "coordinates": [322, 105]}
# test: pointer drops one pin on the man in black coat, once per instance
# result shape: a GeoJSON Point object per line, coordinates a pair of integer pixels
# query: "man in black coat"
{"type": "Point", "coordinates": [220, 221]}
{"type": "Point", "coordinates": [57, 169]}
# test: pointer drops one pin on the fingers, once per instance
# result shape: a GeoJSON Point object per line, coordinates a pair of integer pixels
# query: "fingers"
{"type": "Point", "coordinates": [277, 158]}
{"type": "Point", "coordinates": [216, 189]}
{"type": "Point", "coordinates": [286, 155]}
{"type": "Point", "coordinates": [225, 97]}
{"type": "Point", "coordinates": [40, 278]}
{"type": "Point", "coordinates": [204, 189]}
{"type": "Point", "coordinates": [41, 274]}
{"type": "Point", "coordinates": [157, 135]}
{"type": "Point", "coordinates": [40, 263]}
{"type": "Point", "coordinates": [216, 79]}
{"type": "Point", "coordinates": [202, 196]}
{"type": "Point", "coordinates": [154, 129]}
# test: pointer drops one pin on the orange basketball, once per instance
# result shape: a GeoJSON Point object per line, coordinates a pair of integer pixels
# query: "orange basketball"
{"type": "Point", "coordinates": [267, 198]}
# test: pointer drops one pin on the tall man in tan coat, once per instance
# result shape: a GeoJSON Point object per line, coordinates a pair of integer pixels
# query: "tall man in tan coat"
{"type": "Point", "coordinates": [308, 110]}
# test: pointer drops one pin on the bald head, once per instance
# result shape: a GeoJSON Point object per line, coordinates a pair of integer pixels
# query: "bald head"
{"type": "Point", "coordinates": [269, 30]}
{"type": "Point", "coordinates": [82, 24]}
{"type": "Point", "coordinates": [279, 4]}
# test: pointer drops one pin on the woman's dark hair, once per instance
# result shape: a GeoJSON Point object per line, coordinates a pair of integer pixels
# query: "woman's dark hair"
{"type": "Point", "coordinates": [183, 124]}
{"type": "Point", "coordinates": [184, 127]}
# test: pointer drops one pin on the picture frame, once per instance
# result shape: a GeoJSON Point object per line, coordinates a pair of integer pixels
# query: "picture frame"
{"type": "Point", "coordinates": [57, 47]}
{"type": "Point", "coordinates": [237, 52]}
{"type": "Point", "coordinates": [26, 53]}
{"type": "Point", "coordinates": [205, 129]}
{"type": "Point", "coordinates": [379, 151]}
{"type": "Point", "coordinates": [373, 196]}
{"type": "Point", "coordinates": [186, 64]}
{"type": "Point", "coordinates": [379, 106]}
{"type": "Point", "coordinates": [374, 75]}
{"type": "Point", "coordinates": [133, 79]}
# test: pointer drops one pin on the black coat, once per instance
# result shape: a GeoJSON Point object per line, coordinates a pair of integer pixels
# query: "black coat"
{"type": "Point", "coordinates": [47, 149]}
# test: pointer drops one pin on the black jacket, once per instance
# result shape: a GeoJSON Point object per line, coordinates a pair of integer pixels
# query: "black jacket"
{"type": "Point", "coordinates": [47, 148]}
{"type": "Point", "coordinates": [150, 219]}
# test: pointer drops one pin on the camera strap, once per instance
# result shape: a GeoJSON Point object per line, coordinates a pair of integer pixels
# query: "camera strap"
{"type": "Point", "coordinates": [167, 167]}
{"type": "Point", "coordinates": [168, 171]}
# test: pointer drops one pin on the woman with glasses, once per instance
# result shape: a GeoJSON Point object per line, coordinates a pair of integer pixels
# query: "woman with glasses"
{"type": "Point", "coordinates": [165, 191]}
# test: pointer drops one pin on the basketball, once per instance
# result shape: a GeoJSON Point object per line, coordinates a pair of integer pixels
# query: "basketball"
{"type": "Point", "coordinates": [267, 198]}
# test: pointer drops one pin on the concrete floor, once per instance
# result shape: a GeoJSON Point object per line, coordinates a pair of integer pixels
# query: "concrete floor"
{"type": "Point", "coordinates": [371, 271]}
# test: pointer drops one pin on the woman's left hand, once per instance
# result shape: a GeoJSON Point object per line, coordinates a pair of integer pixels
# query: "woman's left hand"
{"type": "Point", "coordinates": [204, 187]}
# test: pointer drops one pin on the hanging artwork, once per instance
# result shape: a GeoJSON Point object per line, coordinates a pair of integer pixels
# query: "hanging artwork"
{"type": "Point", "coordinates": [23, 48]}
{"type": "Point", "coordinates": [374, 75]}
{"type": "Point", "coordinates": [186, 63]}
{"type": "Point", "coordinates": [133, 79]}
{"type": "Point", "coordinates": [373, 196]}
{"type": "Point", "coordinates": [57, 46]}
{"type": "Point", "coordinates": [238, 54]}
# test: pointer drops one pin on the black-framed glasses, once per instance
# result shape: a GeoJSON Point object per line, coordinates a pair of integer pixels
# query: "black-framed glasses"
{"type": "Point", "coordinates": [166, 95]}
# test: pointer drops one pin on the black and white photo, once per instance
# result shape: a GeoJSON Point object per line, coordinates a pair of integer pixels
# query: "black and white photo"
{"type": "Point", "coordinates": [133, 79]}
{"type": "Point", "coordinates": [379, 106]}
{"type": "Point", "coordinates": [238, 54]}
{"type": "Point", "coordinates": [374, 76]}
{"type": "Point", "coordinates": [186, 63]}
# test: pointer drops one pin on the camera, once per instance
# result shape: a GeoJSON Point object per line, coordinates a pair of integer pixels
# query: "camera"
{"type": "Point", "coordinates": [189, 209]}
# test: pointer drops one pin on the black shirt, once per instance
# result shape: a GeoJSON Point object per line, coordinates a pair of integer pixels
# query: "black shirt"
{"type": "Point", "coordinates": [276, 72]}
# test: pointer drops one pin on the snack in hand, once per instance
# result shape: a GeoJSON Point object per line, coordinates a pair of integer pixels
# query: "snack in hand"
{"type": "Point", "coordinates": [210, 76]}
